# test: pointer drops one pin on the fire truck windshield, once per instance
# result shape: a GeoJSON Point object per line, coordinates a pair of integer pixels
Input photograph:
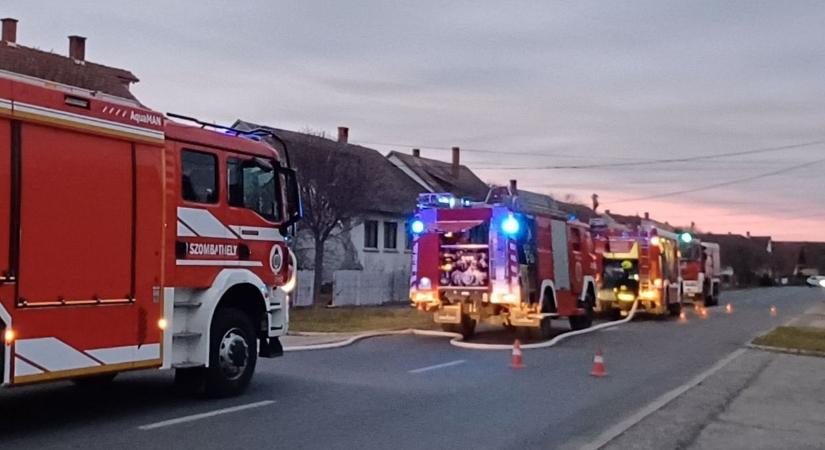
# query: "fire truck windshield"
{"type": "Point", "coordinates": [252, 184]}
{"type": "Point", "coordinates": [621, 272]}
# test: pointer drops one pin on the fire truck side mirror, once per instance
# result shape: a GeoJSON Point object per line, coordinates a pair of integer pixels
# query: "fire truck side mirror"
{"type": "Point", "coordinates": [292, 199]}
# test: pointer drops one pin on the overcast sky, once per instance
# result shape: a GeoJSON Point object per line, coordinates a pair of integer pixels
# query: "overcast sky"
{"type": "Point", "coordinates": [532, 84]}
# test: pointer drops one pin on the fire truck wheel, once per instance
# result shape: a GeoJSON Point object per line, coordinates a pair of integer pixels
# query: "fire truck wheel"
{"type": "Point", "coordinates": [583, 321]}
{"type": "Point", "coordinates": [710, 299]}
{"type": "Point", "coordinates": [545, 330]}
{"type": "Point", "coordinates": [95, 380]}
{"type": "Point", "coordinates": [467, 327]}
{"type": "Point", "coordinates": [674, 309]}
{"type": "Point", "coordinates": [232, 354]}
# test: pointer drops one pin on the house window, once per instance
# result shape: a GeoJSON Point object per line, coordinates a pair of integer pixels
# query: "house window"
{"type": "Point", "coordinates": [199, 177]}
{"type": "Point", "coordinates": [370, 234]}
{"type": "Point", "coordinates": [390, 235]}
{"type": "Point", "coordinates": [408, 241]}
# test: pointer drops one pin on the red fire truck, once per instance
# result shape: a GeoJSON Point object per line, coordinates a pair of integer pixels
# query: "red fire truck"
{"type": "Point", "coordinates": [133, 242]}
{"type": "Point", "coordinates": [516, 258]}
{"type": "Point", "coordinates": [701, 267]}
{"type": "Point", "coordinates": [639, 262]}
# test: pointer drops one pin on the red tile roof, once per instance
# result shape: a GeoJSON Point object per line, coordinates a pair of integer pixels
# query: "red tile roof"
{"type": "Point", "coordinates": [62, 69]}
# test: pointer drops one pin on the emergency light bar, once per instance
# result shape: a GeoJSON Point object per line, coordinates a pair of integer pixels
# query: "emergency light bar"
{"type": "Point", "coordinates": [443, 200]}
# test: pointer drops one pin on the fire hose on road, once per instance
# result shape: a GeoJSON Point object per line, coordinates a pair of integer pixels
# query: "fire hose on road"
{"type": "Point", "coordinates": [458, 340]}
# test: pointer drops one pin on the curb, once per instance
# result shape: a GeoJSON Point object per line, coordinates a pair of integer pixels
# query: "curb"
{"type": "Point", "coordinates": [791, 351]}
{"type": "Point", "coordinates": [458, 340]}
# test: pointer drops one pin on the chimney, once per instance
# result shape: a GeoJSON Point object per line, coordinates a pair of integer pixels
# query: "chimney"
{"type": "Point", "coordinates": [513, 187]}
{"type": "Point", "coordinates": [748, 234]}
{"type": "Point", "coordinates": [77, 48]}
{"type": "Point", "coordinates": [456, 163]}
{"type": "Point", "coordinates": [647, 215]}
{"type": "Point", "coordinates": [343, 135]}
{"type": "Point", "coordinates": [9, 30]}
{"type": "Point", "coordinates": [692, 226]}
{"type": "Point", "coordinates": [416, 153]}
{"type": "Point", "coordinates": [607, 211]}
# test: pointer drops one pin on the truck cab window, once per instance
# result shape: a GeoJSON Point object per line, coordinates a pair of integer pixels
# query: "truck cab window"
{"type": "Point", "coordinates": [252, 185]}
{"type": "Point", "coordinates": [199, 177]}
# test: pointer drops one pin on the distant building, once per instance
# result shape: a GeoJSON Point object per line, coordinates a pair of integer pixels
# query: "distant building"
{"type": "Point", "coordinates": [799, 260]}
{"type": "Point", "coordinates": [749, 258]}
{"type": "Point", "coordinates": [71, 71]}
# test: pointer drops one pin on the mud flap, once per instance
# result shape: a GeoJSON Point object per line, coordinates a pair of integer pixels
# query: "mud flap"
{"type": "Point", "coordinates": [448, 314]}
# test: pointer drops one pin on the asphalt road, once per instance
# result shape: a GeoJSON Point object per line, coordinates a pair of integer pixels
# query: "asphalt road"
{"type": "Point", "coordinates": [405, 391]}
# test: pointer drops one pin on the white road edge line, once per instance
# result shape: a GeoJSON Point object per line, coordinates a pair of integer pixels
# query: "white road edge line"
{"type": "Point", "coordinates": [438, 366]}
{"type": "Point", "coordinates": [616, 430]}
{"type": "Point", "coordinates": [205, 415]}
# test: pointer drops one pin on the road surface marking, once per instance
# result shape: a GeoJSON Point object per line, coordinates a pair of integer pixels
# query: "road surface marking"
{"type": "Point", "coordinates": [438, 366]}
{"type": "Point", "coordinates": [205, 415]}
{"type": "Point", "coordinates": [616, 430]}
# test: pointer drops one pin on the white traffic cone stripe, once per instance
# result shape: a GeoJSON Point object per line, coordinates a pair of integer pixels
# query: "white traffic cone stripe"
{"type": "Point", "coordinates": [598, 359]}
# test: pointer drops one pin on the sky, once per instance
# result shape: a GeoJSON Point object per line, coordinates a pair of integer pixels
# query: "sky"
{"type": "Point", "coordinates": [526, 89]}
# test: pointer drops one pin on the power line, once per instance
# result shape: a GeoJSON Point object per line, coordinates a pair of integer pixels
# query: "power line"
{"type": "Point", "coordinates": [669, 160]}
{"type": "Point", "coordinates": [724, 183]}
{"type": "Point", "coordinates": [628, 161]}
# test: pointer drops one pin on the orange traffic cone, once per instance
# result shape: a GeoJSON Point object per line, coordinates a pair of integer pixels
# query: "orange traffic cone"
{"type": "Point", "coordinates": [773, 311]}
{"type": "Point", "coordinates": [598, 364]}
{"type": "Point", "coordinates": [682, 317]}
{"type": "Point", "coordinates": [516, 361]}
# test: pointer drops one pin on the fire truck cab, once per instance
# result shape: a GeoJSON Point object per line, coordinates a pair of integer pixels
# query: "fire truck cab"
{"type": "Point", "coordinates": [515, 259]}
{"type": "Point", "coordinates": [700, 266]}
{"type": "Point", "coordinates": [129, 241]}
{"type": "Point", "coordinates": [640, 263]}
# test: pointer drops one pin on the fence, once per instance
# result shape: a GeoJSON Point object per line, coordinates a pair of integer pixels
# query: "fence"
{"type": "Point", "coordinates": [357, 287]}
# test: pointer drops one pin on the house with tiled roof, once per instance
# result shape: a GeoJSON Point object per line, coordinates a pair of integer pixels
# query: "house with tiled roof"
{"type": "Point", "coordinates": [440, 176]}
{"type": "Point", "coordinates": [799, 260]}
{"type": "Point", "coordinates": [70, 71]}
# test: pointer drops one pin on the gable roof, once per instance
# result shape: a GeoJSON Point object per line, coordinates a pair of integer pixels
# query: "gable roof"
{"type": "Point", "coordinates": [790, 257]}
{"type": "Point", "coordinates": [64, 70]}
{"type": "Point", "coordinates": [438, 176]}
{"type": "Point", "coordinates": [388, 188]}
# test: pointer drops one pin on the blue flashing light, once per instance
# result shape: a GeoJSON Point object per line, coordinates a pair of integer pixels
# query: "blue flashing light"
{"type": "Point", "coordinates": [417, 226]}
{"type": "Point", "coordinates": [510, 225]}
{"type": "Point", "coordinates": [686, 237]}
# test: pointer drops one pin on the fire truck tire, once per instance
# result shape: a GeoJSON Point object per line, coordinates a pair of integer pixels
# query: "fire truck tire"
{"type": "Point", "coordinates": [710, 299]}
{"type": "Point", "coordinates": [583, 321]}
{"type": "Point", "coordinates": [674, 309]}
{"type": "Point", "coordinates": [95, 380]}
{"type": "Point", "coordinates": [467, 327]}
{"type": "Point", "coordinates": [232, 355]}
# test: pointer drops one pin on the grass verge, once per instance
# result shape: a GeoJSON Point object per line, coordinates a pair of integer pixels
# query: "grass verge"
{"type": "Point", "coordinates": [361, 318]}
{"type": "Point", "coordinates": [798, 338]}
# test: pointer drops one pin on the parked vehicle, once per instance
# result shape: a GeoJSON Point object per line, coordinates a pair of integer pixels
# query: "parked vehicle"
{"type": "Point", "coordinates": [134, 242]}
{"type": "Point", "coordinates": [515, 258]}
{"type": "Point", "coordinates": [816, 281]}
{"type": "Point", "coordinates": [640, 262]}
{"type": "Point", "coordinates": [701, 269]}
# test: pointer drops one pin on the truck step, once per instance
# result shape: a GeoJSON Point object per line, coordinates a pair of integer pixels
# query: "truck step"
{"type": "Point", "coordinates": [188, 304]}
{"type": "Point", "coordinates": [186, 334]}
{"type": "Point", "coordinates": [186, 365]}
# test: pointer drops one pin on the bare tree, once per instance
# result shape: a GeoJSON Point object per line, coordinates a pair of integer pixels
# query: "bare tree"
{"type": "Point", "coordinates": [333, 187]}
